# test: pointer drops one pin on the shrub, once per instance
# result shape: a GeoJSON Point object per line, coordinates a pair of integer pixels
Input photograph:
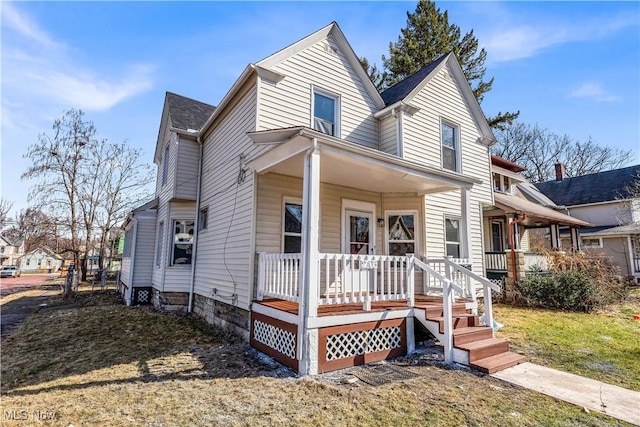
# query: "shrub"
{"type": "Point", "coordinates": [576, 281]}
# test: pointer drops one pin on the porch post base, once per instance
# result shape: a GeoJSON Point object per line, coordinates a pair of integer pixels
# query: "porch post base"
{"type": "Point", "coordinates": [309, 363]}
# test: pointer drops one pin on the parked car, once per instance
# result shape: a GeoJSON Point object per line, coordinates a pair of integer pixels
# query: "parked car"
{"type": "Point", "coordinates": [10, 271]}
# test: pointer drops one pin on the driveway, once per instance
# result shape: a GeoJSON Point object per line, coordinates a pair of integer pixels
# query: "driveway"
{"type": "Point", "coordinates": [10, 285]}
{"type": "Point", "coordinates": [15, 311]}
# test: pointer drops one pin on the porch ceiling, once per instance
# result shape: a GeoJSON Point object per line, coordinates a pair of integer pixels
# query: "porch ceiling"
{"type": "Point", "coordinates": [351, 165]}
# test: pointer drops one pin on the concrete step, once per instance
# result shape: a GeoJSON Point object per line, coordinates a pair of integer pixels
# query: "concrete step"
{"type": "Point", "coordinates": [485, 348]}
{"type": "Point", "coordinates": [498, 362]}
{"type": "Point", "coordinates": [471, 334]}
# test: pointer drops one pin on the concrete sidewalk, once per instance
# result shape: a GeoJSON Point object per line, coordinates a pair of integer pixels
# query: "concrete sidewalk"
{"type": "Point", "coordinates": [594, 395]}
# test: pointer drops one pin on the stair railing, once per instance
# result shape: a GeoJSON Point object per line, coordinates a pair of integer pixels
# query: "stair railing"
{"type": "Point", "coordinates": [449, 288]}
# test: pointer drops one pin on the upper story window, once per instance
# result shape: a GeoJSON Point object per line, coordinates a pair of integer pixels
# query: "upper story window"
{"type": "Point", "coordinates": [325, 113]}
{"type": "Point", "coordinates": [165, 166]}
{"type": "Point", "coordinates": [501, 183]}
{"type": "Point", "coordinates": [449, 135]}
{"type": "Point", "coordinates": [204, 219]}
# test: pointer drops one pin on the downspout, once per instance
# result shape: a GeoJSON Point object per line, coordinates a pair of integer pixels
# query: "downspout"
{"type": "Point", "coordinates": [196, 232]}
{"type": "Point", "coordinates": [128, 298]}
{"type": "Point", "coordinates": [512, 243]}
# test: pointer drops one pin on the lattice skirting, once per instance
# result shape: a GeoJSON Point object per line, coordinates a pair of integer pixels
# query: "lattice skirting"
{"type": "Point", "coordinates": [275, 338]}
{"type": "Point", "coordinates": [351, 345]}
{"type": "Point", "coordinates": [142, 296]}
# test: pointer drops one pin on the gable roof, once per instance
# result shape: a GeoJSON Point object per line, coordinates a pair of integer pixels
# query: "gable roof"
{"type": "Point", "coordinates": [598, 187]}
{"type": "Point", "coordinates": [403, 88]}
{"type": "Point", "coordinates": [407, 89]}
{"type": "Point", "coordinates": [343, 44]}
{"type": "Point", "coordinates": [187, 113]}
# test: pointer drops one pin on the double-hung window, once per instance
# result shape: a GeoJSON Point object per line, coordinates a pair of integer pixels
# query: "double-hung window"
{"type": "Point", "coordinates": [292, 230]}
{"type": "Point", "coordinates": [449, 135]}
{"type": "Point", "coordinates": [325, 113]}
{"type": "Point", "coordinates": [182, 250]}
{"type": "Point", "coordinates": [452, 237]}
{"type": "Point", "coordinates": [401, 233]}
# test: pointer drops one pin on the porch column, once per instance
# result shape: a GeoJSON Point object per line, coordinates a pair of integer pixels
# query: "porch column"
{"type": "Point", "coordinates": [555, 236]}
{"type": "Point", "coordinates": [465, 224]}
{"type": "Point", "coordinates": [308, 307]}
{"type": "Point", "coordinates": [575, 238]}
{"type": "Point", "coordinates": [515, 229]}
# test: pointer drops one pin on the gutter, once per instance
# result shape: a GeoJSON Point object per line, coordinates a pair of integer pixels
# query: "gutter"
{"type": "Point", "coordinates": [196, 230]}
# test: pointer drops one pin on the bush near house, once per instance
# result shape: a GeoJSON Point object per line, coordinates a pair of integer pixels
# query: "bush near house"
{"type": "Point", "coordinates": [576, 281]}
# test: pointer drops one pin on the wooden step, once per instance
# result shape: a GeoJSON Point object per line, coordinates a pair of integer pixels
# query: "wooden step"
{"type": "Point", "coordinates": [485, 348]}
{"type": "Point", "coordinates": [459, 321]}
{"type": "Point", "coordinates": [435, 310]}
{"type": "Point", "coordinates": [498, 362]}
{"type": "Point", "coordinates": [471, 334]}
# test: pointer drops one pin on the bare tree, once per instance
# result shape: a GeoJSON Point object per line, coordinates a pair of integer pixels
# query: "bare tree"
{"type": "Point", "coordinates": [35, 229]}
{"type": "Point", "coordinates": [76, 176]}
{"type": "Point", "coordinates": [124, 187]}
{"type": "Point", "coordinates": [538, 150]}
{"type": "Point", "coordinates": [5, 207]}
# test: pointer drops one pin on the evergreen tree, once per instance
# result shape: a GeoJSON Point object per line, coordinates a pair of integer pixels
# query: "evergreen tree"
{"type": "Point", "coordinates": [427, 36]}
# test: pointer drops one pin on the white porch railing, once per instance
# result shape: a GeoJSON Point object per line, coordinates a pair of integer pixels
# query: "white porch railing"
{"type": "Point", "coordinates": [279, 276]}
{"type": "Point", "coordinates": [346, 278]}
{"type": "Point", "coordinates": [495, 261]}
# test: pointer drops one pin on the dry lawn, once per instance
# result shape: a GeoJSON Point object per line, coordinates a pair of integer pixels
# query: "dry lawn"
{"type": "Point", "coordinates": [101, 363]}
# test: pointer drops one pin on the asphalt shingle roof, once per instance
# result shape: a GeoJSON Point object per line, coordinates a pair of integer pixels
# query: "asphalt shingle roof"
{"type": "Point", "coordinates": [593, 188]}
{"type": "Point", "coordinates": [187, 113]}
{"type": "Point", "coordinates": [400, 90]}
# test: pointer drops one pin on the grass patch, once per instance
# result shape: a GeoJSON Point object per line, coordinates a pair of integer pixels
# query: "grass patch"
{"type": "Point", "coordinates": [101, 363]}
{"type": "Point", "coordinates": [602, 345]}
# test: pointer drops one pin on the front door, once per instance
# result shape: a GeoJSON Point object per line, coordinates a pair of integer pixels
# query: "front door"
{"type": "Point", "coordinates": [359, 240]}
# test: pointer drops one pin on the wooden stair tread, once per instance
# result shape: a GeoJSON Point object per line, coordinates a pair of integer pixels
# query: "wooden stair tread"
{"type": "Point", "coordinates": [475, 345]}
{"type": "Point", "coordinates": [498, 362]}
{"type": "Point", "coordinates": [458, 315]}
{"type": "Point", "coordinates": [469, 330]}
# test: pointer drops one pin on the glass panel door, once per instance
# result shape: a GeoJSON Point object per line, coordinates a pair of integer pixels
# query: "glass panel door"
{"type": "Point", "coordinates": [359, 240]}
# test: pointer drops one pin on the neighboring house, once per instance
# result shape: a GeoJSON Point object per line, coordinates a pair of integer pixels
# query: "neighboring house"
{"type": "Point", "coordinates": [41, 260]}
{"type": "Point", "coordinates": [604, 200]}
{"type": "Point", "coordinates": [10, 251]}
{"type": "Point", "coordinates": [518, 210]}
{"type": "Point", "coordinates": [316, 216]}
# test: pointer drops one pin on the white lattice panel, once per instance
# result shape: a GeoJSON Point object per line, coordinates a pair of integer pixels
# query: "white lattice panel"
{"type": "Point", "coordinates": [276, 338]}
{"type": "Point", "coordinates": [350, 344]}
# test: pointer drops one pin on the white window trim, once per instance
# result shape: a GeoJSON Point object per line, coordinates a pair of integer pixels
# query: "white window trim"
{"type": "Point", "coordinates": [157, 262]}
{"type": "Point", "coordinates": [173, 244]}
{"type": "Point", "coordinates": [338, 108]}
{"type": "Point", "coordinates": [416, 226]}
{"type": "Point", "coordinates": [599, 239]}
{"type": "Point", "coordinates": [200, 219]}
{"type": "Point", "coordinates": [165, 167]}
{"type": "Point", "coordinates": [501, 224]}
{"type": "Point", "coordinates": [456, 142]}
{"type": "Point", "coordinates": [460, 237]}
{"type": "Point", "coordinates": [293, 201]}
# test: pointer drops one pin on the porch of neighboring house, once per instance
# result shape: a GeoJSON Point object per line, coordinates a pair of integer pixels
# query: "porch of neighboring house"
{"type": "Point", "coordinates": [510, 230]}
{"type": "Point", "coordinates": [333, 299]}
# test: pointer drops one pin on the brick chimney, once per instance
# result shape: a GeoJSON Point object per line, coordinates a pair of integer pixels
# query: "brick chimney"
{"type": "Point", "coordinates": [559, 171]}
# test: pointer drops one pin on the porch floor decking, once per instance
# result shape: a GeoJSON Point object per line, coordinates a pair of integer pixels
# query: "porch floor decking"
{"type": "Point", "coordinates": [420, 301]}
